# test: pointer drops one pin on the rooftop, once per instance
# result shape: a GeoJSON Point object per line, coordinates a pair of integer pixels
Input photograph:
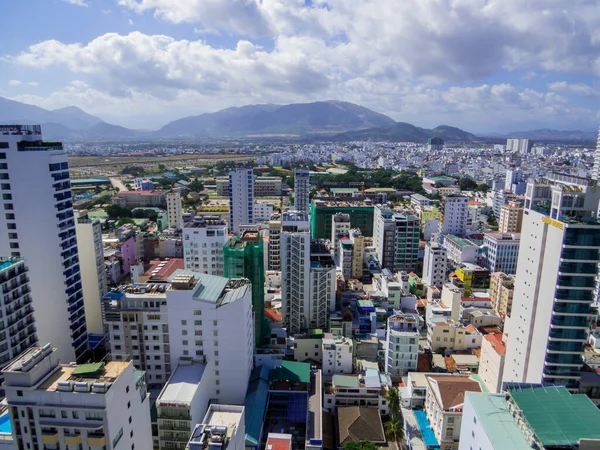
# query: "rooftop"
{"type": "Point", "coordinates": [498, 423]}
{"type": "Point", "coordinates": [557, 417]}
{"type": "Point", "coordinates": [139, 193]}
{"type": "Point", "coordinates": [162, 270]}
{"type": "Point", "coordinates": [279, 441]}
{"type": "Point", "coordinates": [291, 371]}
{"type": "Point", "coordinates": [450, 390]}
{"type": "Point", "coordinates": [461, 242]}
{"type": "Point", "coordinates": [497, 344]}
{"type": "Point", "coordinates": [359, 424]}
{"type": "Point", "coordinates": [6, 263]}
{"type": "Point", "coordinates": [182, 384]}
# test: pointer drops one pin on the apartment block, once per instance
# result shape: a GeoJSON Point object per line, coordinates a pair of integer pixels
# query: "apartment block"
{"type": "Point", "coordinates": [223, 427]}
{"type": "Point", "coordinates": [511, 218]}
{"type": "Point", "coordinates": [501, 252]}
{"type": "Point", "coordinates": [174, 210]}
{"type": "Point", "coordinates": [460, 250]}
{"type": "Point", "coordinates": [368, 388]}
{"type": "Point", "coordinates": [302, 190]}
{"type": "Point", "coordinates": [274, 245]}
{"type": "Point", "coordinates": [396, 239]}
{"type": "Point", "coordinates": [556, 282]}
{"type": "Point", "coordinates": [19, 328]}
{"type": "Point", "coordinates": [241, 198]}
{"type": "Point", "coordinates": [38, 224]}
{"type": "Point", "coordinates": [140, 198]}
{"type": "Point", "coordinates": [91, 262]}
{"type": "Point", "coordinates": [340, 226]}
{"type": "Point", "coordinates": [444, 405]}
{"type": "Point", "coordinates": [502, 289]}
{"type": "Point", "coordinates": [86, 406]}
{"type": "Point", "coordinates": [203, 241]}
{"type": "Point", "coordinates": [454, 219]}
{"type": "Point", "coordinates": [337, 355]}
{"type": "Point", "coordinates": [435, 264]}
{"type": "Point", "coordinates": [402, 344]}
{"type": "Point", "coordinates": [491, 361]}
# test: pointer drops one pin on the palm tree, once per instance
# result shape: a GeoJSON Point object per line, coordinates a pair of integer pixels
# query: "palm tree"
{"type": "Point", "coordinates": [394, 429]}
{"type": "Point", "coordinates": [393, 399]}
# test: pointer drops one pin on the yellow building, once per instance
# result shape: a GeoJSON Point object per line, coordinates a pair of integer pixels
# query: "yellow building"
{"type": "Point", "coordinates": [430, 213]}
{"type": "Point", "coordinates": [501, 293]}
{"type": "Point", "coordinates": [511, 218]}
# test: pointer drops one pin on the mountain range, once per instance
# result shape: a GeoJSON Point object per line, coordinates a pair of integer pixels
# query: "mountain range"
{"type": "Point", "coordinates": [327, 120]}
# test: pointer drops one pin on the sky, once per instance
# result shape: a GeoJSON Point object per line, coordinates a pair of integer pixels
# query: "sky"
{"type": "Point", "coordinates": [481, 65]}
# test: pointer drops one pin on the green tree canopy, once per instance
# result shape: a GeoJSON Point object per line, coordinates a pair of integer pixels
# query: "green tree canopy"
{"type": "Point", "coordinates": [117, 211]}
{"type": "Point", "coordinates": [136, 171]}
{"type": "Point", "coordinates": [124, 220]}
{"type": "Point", "coordinates": [467, 184]}
{"type": "Point", "coordinates": [360, 445]}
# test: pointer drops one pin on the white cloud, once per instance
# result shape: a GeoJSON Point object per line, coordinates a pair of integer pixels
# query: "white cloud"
{"type": "Point", "coordinates": [130, 22]}
{"type": "Point", "coordinates": [395, 57]}
{"type": "Point", "coordinates": [33, 83]}
{"type": "Point", "coordinates": [77, 2]}
{"type": "Point", "coordinates": [14, 82]}
{"type": "Point", "coordinates": [577, 88]}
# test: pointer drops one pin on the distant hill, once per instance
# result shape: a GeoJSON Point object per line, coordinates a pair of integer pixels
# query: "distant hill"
{"type": "Point", "coordinates": [70, 117]}
{"type": "Point", "coordinates": [546, 134]}
{"type": "Point", "coordinates": [406, 132]}
{"type": "Point", "coordinates": [330, 117]}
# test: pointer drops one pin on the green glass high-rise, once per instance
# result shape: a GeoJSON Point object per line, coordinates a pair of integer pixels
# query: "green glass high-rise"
{"type": "Point", "coordinates": [244, 257]}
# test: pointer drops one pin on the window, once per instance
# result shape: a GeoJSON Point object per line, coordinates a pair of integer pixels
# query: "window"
{"type": "Point", "coordinates": [127, 389]}
{"type": "Point", "coordinates": [184, 322]}
{"type": "Point", "coordinates": [184, 342]}
{"type": "Point", "coordinates": [197, 312]}
{"type": "Point", "coordinates": [197, 322]}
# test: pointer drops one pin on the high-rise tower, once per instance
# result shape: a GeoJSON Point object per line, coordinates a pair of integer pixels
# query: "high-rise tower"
{"type": "Point", "coordinates": [555, 282]}
{"type": "Point", "coordinates": [37, 224]}
{"type": "Point", "coordinates": [241, 198]}
{"type": "Point", "coordinates": [302, 190]}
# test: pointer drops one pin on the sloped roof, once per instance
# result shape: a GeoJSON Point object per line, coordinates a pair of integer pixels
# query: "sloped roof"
{"type": "Point", "coordinates": [359, 424]}
{"type": "Point", "coordinates": [452, 389]}
{"type": "Point", "coordinates": [291, 371]}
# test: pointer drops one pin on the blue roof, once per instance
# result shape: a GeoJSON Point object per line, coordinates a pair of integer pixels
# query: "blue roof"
{"type": "Point", "coordinates": [114, 295]}
{"type": "Point", "coordinates": [426, 431]}
{"type": "Point", "coordinates": [255, 404]}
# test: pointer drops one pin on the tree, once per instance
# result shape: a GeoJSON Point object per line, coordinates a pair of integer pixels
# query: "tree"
{"type": "Point", "coordinates": [467, 184]}
{"type": "Point", "coordinates": [482, 187]}
{"type": "Point", "coordinates": [117, 211]}
{"type": "Point", "coordinates": [394, 429]}
{"type": "Point", "coordinates": [491, 220]}
{"type": "Point", "coordinates": [393, 399]}
{"type": "Point", "coordinates": [360, 445]}
{"type": "Point", "coordinates": [196, 186]}
{"type": "Point", "coordinates": [124, 220]}
{"type": "Point", "coordinates": [133, 170]}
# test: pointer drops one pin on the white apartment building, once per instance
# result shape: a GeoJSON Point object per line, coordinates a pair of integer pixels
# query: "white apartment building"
{"type": "Point", "coordinates": [91, 263]}
{"type": "Point", "coordinates": [203, 241]}
{"type": "Point", "coordinates": [136, 326]}
{"type": "Point", "coordinates": [556, 282]}
{"type": "Point", "coordinates": [182, 403]}
{"type": "Point", "coordinates": [501, 252]}
{"type": "Point", "coordinates": [17, 310]}
{"type": "Point", "coordinates": [302, 190]}
{"type": "Point", "coordinates": [396, 239]}
{"type": "Point", "coordinates": [452, 336]}
{"type": "Point", "coordinates": [369, 388]}
{"type": "Point", "coordinates": [456, 212]}
{"type": "Point", "coordinates": [596, 168]}
{"type": "Point", "coordinates": [322, 285]}
{"type": "Point", "coordinates": [295, 271]}
{"type": "Point", "coordinates": [87, 407]}
{"type": "Point", "coordinates": [435, 264]}
{"type": "Point", "coordinates": [262, 211]}
{"type": "Point", "coordinates": [241, 198]}
{"type": "Point", "coordinates": [402, 344]}
{"type": "Point", "coordinates": [211, 317]}
{"type": "Point", "coordinates": [38, 225]}
{"type": "Point", "coordinates": [340, 226]}
{"type": "Point", "coordinates": [274, 252]}
{"type": "Point", "coordinates": [337, 354]}
{"type": "Point", "coordinates": [460, 250]}
{"type": "Point", "coordinates": [491, 361]}
{"type": "Point", "coordinates": [174, 213]}
{"type": "Point", "coordinates": [223, 425]}
{"type": "Point", "coordinates": [444, 404]}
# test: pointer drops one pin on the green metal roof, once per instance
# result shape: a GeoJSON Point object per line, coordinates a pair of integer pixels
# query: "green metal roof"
{"type": "Point", "coordinates": [557, 417]}
{"type": "Point", "coordinates": [460, 241]}
{"type": "Point", "coordinates": [291, 371]}
{"type": "Point", "coordinates": [499, 425]}
{"type": "Point", "coordinates": [88, 370]}
{"type": "Point", "coordinates": [346, 381]}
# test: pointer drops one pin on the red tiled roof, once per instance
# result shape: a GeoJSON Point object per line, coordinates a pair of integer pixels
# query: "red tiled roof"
{"type": "Point", "coordinates": [279, 443]}
{"type": "Point", "coordinates": [166, 270]}
{"type": "Point", "coordinates": [496, 341]}
{"type": "Point", "coordinates": [272, 315]}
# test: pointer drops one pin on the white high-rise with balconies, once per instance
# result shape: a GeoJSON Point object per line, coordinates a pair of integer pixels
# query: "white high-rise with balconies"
{"type": "Point", "coordinates": [456, 213]}
{"type": "Point", "coordinates": [37, 224]}
{"type": "Point", "coordinates": [203, 241]}
{"type": "Point", "coordinates": [302, 190]}
{"type": "Point", "coordinates": [435, 264]}
{"type": "Point", "coordinates": [174, 214]}
{"type": "Point", "coordinates": [596, 168]}
{"type": "Point", "coordinates": [556, 278]}
{"type": "Point", "coordinates": [241, 198]}
{"type": "Point", "coordinates": [295, 271]}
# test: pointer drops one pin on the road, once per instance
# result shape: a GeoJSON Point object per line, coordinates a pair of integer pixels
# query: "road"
{"type": "Point", "coordinates": [118, 183]}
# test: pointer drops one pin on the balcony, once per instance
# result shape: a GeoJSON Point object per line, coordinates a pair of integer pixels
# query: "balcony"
{"type": "Point", "coordinates": [96, 439]}
{"type": "Point", "coordinates": [50, 438]}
